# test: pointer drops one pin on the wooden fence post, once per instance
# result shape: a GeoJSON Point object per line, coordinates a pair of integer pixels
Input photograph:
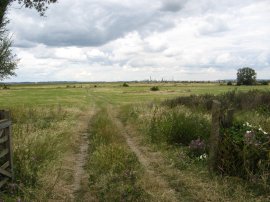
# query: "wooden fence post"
{"type": "Point", "coordinates": [214, 136]}
{"type": "Point", "coordinates": [230, 114]}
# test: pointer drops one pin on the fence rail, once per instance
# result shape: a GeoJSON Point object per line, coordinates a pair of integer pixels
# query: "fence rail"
{"type": "Point", "coordinates": [6, 158]}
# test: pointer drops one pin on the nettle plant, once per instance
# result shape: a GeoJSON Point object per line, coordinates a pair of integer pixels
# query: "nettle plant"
{"type": "Point", "coordinates": [245, 152]}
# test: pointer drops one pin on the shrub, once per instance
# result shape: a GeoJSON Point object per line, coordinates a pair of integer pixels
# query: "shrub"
{"type": "Point", "coordinates": [252, 99]}
{"type": "Point", "coordinates": [125, 85]}
{"type": "Point", "coordinates": [229, 83]}
{"type": "Point", "coordinates": [264, 83]}
{"type": "Point", "coordinates": [154, 88]}
{"type": "Point", "coordinates": [5, 87]}
{"type": "Point", "coordinates": [178, 127]}
{"type": "Point", "coordinates": [244, 152]}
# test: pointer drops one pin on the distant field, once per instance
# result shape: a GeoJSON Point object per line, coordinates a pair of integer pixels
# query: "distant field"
{"type": "Point", "coordinates": [114, 93]}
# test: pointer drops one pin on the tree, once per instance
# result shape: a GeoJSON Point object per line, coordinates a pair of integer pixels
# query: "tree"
{"type": "Point", "coordinates": [8, 61]}
{"type": "Point", "coordinates": [246, 76]}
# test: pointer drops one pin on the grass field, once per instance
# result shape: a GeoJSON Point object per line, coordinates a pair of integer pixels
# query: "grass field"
{"type": "Point", "coordinates": [117, 161]}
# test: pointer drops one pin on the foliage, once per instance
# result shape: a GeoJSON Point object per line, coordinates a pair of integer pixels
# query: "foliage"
{"type": "Point", "coordinates": [154, 88]}
{"type": "Point", "coordinates": [244, 152]}
{"type": "Point", "coordinates": [229, 83]}
{"type": "Point", "coordinates": [40, 5]}
{"type": "Point", "coordinates": [8, 62]}
{"type": "Point", "coordinates": [125, 85]}
{"type": "Point", "coordinates": [246, 76]}
{"type": "Point", "coordinates": [265, 83]}
{"type": "Point", "coordinates": [178, 127]}
{"type": "Point", "coordinates": [252, 99]}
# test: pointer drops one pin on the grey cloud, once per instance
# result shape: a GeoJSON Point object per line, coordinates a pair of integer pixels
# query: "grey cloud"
{"type": "Point", "coordinates": [173, 5]}
{"type": "Point", "coordinates": [86, 24]}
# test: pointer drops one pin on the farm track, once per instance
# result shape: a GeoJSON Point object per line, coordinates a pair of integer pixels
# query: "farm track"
{"type": "Point", "coordinates": [163, 191]}
{"type": "Point", "coordinates": [80, 185]}
{"type": "Point", "coordinates": [73, 180]}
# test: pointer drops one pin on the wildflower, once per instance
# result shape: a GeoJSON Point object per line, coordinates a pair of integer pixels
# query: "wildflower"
{"type": "Point", "coordinates": [202, 157]}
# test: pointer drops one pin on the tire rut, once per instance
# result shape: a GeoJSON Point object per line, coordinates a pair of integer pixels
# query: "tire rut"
{"type": "Point", "coordinates": [145, 161]}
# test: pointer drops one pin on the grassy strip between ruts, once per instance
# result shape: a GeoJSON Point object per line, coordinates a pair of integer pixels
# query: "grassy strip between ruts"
{"type": "Point", "coordinates": [114, 171]}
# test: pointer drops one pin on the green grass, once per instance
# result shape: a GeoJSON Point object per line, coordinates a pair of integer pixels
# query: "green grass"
{"type": "Point", "coordinates": [193, 182]}
{"type": "Point", "coordinates": [45, 119]}
{"type": "Point", "coordinates": [114, 171]}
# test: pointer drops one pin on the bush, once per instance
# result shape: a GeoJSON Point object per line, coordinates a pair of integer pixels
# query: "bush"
{"type": "Point", "coordinates": [264, 83]}
{"type": "Point", "coordinates": [244, 152]}
{"type": "Point", "coordinates": [154, 88]}
{"type": "Point", "coordinates": [252, 99]}
{"type": "Point", "coordinates": [125, 85]}
{"type": "Point", "coordinates": [5, 87]}
{"type": "Point", "coordinates": [229, 83]}
{"type": "Point", "coordinates": [178, 127]}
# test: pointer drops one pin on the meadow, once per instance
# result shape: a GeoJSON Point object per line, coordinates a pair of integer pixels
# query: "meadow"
{"type": "Point", "coordinates": [107, 142]}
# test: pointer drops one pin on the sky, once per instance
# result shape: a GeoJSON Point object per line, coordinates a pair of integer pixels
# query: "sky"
{"type": "Point", "coordinates": [124, 40]}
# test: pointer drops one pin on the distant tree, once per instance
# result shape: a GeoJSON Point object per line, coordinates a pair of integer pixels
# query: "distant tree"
{"type": "Point", "coordinates": [246, 76]}
{"type": "Point", "coordinates": [125, 85]}
{"type": "Point", "coordinates": [154, 88]}
{"type": "Point", "coordinates": [229, 83]}
{"type": "Point", "coordinates": [264, 82]}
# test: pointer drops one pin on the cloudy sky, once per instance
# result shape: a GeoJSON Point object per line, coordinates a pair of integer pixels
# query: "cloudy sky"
{"type": "Point", "coordinates": [111, 40]}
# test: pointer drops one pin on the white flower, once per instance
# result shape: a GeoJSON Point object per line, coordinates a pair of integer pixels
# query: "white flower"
{"type": "Point", "coordinates": [248, 131]}
{"type": "Point", "coordinates": [204, 156]}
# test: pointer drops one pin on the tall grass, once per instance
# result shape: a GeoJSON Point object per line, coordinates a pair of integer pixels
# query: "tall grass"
{"type": "Point", "coordinates": [114, 171]}
{"type": "Point", "coordinates": [41, 135]}
{"type": "Point", "coordinates": [178, 126]}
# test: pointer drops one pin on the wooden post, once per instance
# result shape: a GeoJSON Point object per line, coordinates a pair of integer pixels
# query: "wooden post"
{"type": "Point", "coordinates": [6, 162]}
{"type": "Point", "coordinates": [230, 117]}
{"type": "Point", "coordinates": [214, 136]}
